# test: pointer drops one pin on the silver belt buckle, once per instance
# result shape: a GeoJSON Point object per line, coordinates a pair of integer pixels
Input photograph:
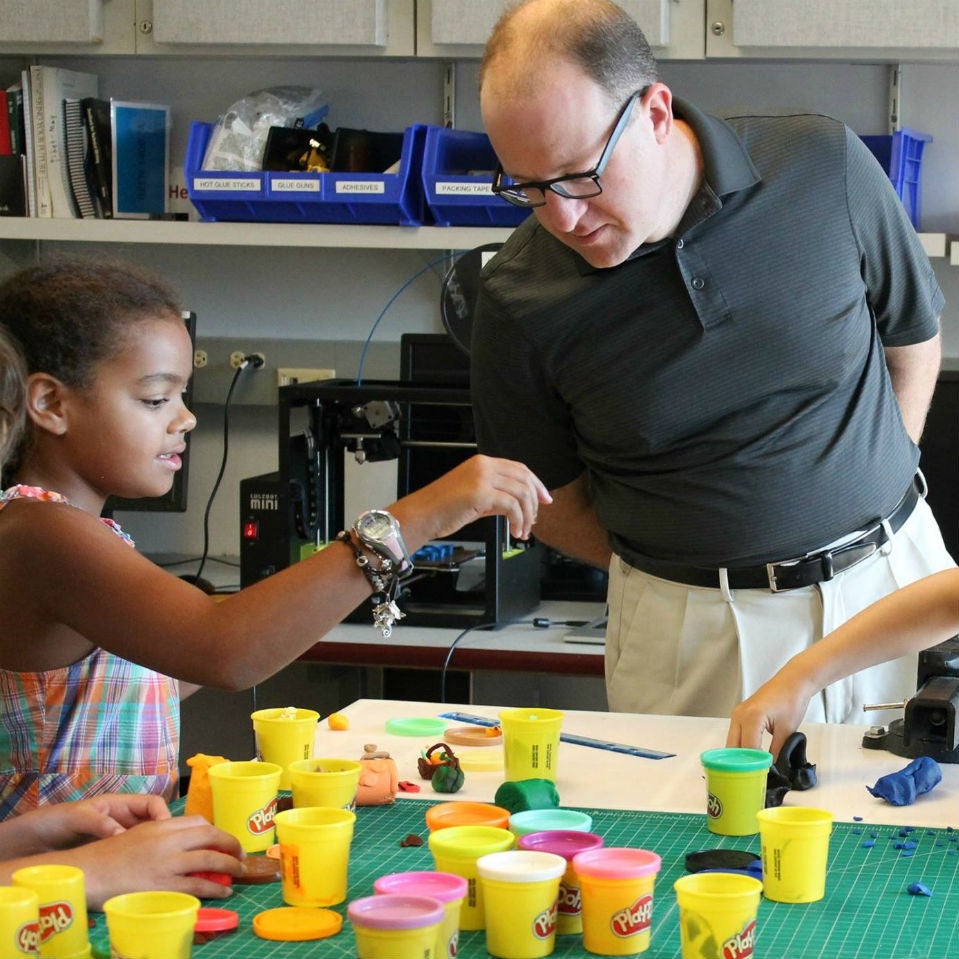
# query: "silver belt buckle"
{"type": "Point", "coordinates": [771, 576]}
{"type": "Point", "coordinates": [774, 586]}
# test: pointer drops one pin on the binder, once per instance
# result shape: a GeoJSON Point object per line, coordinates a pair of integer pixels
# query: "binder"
{"type": "Point", "coordinates": [141, 158]}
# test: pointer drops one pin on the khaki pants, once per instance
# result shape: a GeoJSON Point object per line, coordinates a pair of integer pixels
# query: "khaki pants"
{"type": "Point", "coordinates": [685, 650]}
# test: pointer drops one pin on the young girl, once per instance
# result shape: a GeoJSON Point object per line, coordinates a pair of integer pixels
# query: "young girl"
{"type": "Point", "coordinates": [90, 630]}
{"type": "Point", "coordinates": [915, 617]}
{"type": "Point", "coordinates": [97, 834]}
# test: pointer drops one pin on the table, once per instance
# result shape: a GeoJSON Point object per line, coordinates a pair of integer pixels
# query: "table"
{"type": "Point", "coordinates": [518, 647]}
{"type": "Point", "coordinates": [658, 804]}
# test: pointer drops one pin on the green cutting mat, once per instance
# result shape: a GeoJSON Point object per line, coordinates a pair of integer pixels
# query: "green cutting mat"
{"type": "Point", "coordinates": [867, 912]}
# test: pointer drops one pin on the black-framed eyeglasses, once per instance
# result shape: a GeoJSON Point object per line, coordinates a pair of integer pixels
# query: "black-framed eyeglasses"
{"type": "Point", "coordinates": [572, 186]}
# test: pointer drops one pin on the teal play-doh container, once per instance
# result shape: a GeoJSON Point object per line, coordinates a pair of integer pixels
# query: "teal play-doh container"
{"type": "Point", "coordinates": [735, 789]}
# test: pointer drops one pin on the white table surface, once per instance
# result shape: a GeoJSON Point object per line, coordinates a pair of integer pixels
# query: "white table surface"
{"type": "Point", "coordinates": [597, 778]}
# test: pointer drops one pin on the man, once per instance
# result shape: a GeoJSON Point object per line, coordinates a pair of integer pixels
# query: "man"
{"type": "Point", "coordinates": [716, 342]}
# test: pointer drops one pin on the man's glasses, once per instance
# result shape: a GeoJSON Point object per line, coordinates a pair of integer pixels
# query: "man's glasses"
{"type": "Point", "coordinates": [572, 186]}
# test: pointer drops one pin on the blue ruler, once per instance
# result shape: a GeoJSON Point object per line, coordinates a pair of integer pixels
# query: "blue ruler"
{"type": "Point", "coordinates": [569, 738]}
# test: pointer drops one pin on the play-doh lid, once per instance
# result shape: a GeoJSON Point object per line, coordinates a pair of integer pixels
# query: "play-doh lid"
{"type": "Point", "coordinates": [561, 842]}
{"type": "Point", "coordinates": [394, 911]}
{"type": "Point", "coordinates": [542, 820]}
{"type": "Point", "coordinates": [521, 865]}
{"type": "Point", "coordinates": [734, 759]}
{"type": "Point", "coordinates": [296, 924]}
{"type": "Point", "coordinates": [444, 886]}
{"type": "Point", "coordinates": [458, 812]}
{"type": "Point", "coordinates": [616, 863]}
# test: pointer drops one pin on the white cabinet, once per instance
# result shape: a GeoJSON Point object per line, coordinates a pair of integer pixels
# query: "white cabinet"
{"type": "Point", "coordinates": [327, 28]}
{"type": "Point", "coordinates": [459, 28]}
{"type": "Point", "coordinates": [67, 26]}
{"type": "Point", "coordinates": [888, 30]}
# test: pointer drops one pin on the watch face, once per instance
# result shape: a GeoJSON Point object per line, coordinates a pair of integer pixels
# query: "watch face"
{"type": "Point", "coordinates": [375, 524]}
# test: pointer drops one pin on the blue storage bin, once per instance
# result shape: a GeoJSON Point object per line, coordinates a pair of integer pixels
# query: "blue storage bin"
{"type": "Point", "coordinates": [901, 157]}
{"type": "Point", "coordinates": [367, 198]}
{"type": "Point", "coordinates": [456, 195]}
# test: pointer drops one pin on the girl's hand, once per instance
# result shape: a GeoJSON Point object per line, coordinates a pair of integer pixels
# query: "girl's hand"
{"type": "Point", "coordinates": [69, 824]}
{"type": "Point", "coordinates": [776, 708]}
{"type": "Point", "coordinates": [481, 486]}
{"type": "Point", "coordinates": [160, 855]}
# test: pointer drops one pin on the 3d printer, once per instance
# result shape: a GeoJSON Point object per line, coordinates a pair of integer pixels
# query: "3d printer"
{"type": "Point", "coordinates": [478, 576]}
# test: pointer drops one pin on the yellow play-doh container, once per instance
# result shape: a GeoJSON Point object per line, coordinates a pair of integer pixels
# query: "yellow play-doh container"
{"type": "Point", "coordinates": [62, 898]}
{"type": "Point", "coordinates": [456, 850]}
{"type": "Point", "coordinates": [244, 801]}
{"type": "Point", "coordinates": [446, 887]}
{"type": "Point", "coordinates": [391, 926]}
{"type": "Point", "coordinates": [520, 889]}
{"type": "Point", "coordinates": [617, 892]}
{"type": "Point", "coordinates": [324, 782]}
{"type": "Point", "coordinates": [795, 848]}
{"type": "Point", "coordinates": [151, 925]}
{"type": "Point", "coordinates": [735, 789]}
{"type": "Point", "coordinates": [315, 854]}
{"type": "Point", "coordinates": [284, 735]}
{"type": "Point", "coordinates": [717, 914]}
{"type": "Point", "coordinates": [530, 743]}
{"type": "Point", "coordinates": [19, 922]}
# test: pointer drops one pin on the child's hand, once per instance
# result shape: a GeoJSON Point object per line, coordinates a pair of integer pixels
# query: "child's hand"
{"type": "Point", "coordinates": [482, 486]}
{"type": "Point", "coordinates": [68, 824]}
{"type": "Point", "coordinates": [160, 855]}
{"type": "Point", "coordinates": [776, 708]}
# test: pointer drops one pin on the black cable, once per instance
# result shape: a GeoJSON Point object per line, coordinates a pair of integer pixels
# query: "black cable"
{"type": "Point", "coordinates": [449, 654]}
{"type": "Point", "coordinates": [253, 362]}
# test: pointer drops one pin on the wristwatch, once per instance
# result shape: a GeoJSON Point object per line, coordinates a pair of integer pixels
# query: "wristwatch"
{"type": "Point", "coordinates": [379, 532]}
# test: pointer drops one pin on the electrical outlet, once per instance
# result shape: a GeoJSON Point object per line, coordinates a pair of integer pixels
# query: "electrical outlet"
{"type": "Point", "coordinates": [238, 356]}
{"type": "Point", "coordinates": [200, 359]}
{"type": "Point", "coordinates": [287, 376]}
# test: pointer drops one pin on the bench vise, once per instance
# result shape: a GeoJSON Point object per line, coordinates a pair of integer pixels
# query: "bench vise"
{"type": "Point", "coordinates": [928, 726]}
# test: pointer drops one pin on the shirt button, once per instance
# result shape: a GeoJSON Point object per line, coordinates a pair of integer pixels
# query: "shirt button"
{"type": "Point", "coordinates": [698, 283]}
{"type": "Point", "coordinates": [680, 244]}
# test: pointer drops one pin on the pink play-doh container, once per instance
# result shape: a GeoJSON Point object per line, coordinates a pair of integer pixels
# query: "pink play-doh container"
{"type": "Point", "coordinates": [446, 887]}
{"type": "Point", "coordinates": [391, 925]}
{"type": "Point", "coordinates": [566, 843]}
{"type": "Point", "coordinates": [617, 892]}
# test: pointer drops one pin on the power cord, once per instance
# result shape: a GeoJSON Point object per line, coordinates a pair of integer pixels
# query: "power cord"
{"type": "Point", "coordinates": [429, 266]}
{"type": "Point", "coordinates": [251, 361]}
{"type": "Point", "coordinates": [449, 653]}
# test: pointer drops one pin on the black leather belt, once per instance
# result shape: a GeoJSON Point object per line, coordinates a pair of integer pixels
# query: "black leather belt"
{"type": "Point", "coordinates": [790, 573]}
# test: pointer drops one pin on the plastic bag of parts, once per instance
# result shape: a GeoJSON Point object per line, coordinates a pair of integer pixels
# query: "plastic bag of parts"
{"type": "Point", "coordinates": [239, 137]}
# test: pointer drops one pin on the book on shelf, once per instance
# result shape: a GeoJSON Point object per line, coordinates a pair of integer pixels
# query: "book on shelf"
{"type": "Point", "coordinates": [13, 194]}
{"type": "Point", "coordinates": [96, 123]}
{"type": "Point", "coordinates": [50, 87]}
{"type": "Point", "coordinates": [141, 158]}
{"type": "Point", "coordinates": [83, 190]}
{"type": "Point", "coordinates": [14, 94]}
{"type": "Point", "coordinates": [6, 143]}
{"type": "Point", "coordinates": [28, 143]}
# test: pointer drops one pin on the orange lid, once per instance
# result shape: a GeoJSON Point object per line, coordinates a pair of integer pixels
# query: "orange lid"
{"type": "Point", "coordinates": [297, 923]}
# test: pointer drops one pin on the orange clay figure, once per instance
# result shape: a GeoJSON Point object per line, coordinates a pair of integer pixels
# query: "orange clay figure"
{"type": "Point", "coordinates": [379, 779]}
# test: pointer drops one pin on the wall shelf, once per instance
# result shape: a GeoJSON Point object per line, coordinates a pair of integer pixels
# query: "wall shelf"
{"type": "Point", "coordinates": [343, 236]}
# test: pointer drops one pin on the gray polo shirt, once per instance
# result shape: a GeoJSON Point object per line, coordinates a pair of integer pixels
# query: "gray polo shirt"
{"type": "Point", "coordinates": [725, 389]}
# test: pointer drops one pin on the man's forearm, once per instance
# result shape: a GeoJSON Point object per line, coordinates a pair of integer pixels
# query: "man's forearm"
{"type": "Point", "coordinates": [913, 371]}
{"type": "Point", "coordinates": [569, 524]}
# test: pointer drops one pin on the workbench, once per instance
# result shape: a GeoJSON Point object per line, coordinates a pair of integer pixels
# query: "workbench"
{"type": "Point", "coordinates": [659, 804]}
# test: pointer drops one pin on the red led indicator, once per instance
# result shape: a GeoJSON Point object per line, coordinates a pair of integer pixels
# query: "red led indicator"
{"type": "Point", "coordinates": [251, 529]}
